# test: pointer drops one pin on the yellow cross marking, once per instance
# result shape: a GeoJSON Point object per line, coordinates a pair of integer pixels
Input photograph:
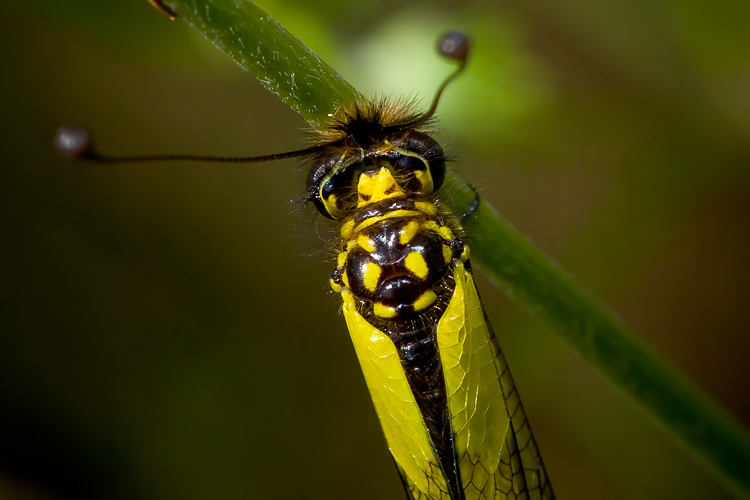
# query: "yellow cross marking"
{"type": "Point", "coordinates": [371, 275]}
{"type": "Point", "coordinates": [416, 264]}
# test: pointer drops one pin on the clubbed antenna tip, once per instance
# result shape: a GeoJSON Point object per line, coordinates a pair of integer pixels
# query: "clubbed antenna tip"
{"type": "Point", "coordinates": [454, 45]}
{"type": "Point", "coordinates": [73, 142]}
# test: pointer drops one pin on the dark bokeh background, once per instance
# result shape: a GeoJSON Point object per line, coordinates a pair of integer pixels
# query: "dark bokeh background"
{"type": "Point", "coordinates": [167, 329]}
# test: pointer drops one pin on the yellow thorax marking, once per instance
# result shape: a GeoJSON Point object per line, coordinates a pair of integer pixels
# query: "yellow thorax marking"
{"type": "Point", "coordinates": [341, 258]}
{"type": "Point", "coordinates": [425, 300]}
{"type": "Point", "coordinates": [447, 254]}
{"type": "Point", "coordinates": [347, 229]}
{"type": "Point", "coordinates": [416, 264]}
{"type": "Point", "coordinates": [443, 231]}
{"type": "Point", "coordinates": [390, 215]}
{"type": "Point", "coordinates": [384, 311]}
{"type": "Point", "coordinates": [428, 208]}
{"type": "Point", "coordinates": [365, 243]}
{"type": "Point", "coordinates": [408, 232]}
{"type": "Point", "coordinates": [378, 187]}
{"type": "Point", "coordinates": [371, 274]}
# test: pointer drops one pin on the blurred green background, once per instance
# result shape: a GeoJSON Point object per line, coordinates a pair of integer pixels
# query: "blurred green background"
{"type": "Point", "coordinates": [168, 331]}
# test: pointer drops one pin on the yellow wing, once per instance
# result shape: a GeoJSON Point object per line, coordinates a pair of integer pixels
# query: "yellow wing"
{"type": "Point", "coordinates": [399, 415]}
{"type": "Point", "coordinates": [497, 454]}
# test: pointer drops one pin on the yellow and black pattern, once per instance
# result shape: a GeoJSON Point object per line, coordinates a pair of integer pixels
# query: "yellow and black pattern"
{"type": "Point", "coordinates": [446, 401]}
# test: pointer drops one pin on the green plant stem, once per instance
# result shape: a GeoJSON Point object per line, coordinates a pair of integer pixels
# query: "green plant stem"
{"type": "Point", "coordinates": [538, 285]}
{"type": "Point", "coordinates": [289, 69]}
{"type": "Point", "coordinates": [278, 59]}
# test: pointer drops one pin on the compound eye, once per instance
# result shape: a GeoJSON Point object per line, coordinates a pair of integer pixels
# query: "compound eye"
{"type": "Point", "coordinates": [407, 164]}
{"type": "Point", "coordinates": [413, 173]}
{"type": "Point", "coordinates": [437, 169]}
{"type": "Point", "coordinates": [337, 195]}
{"type": "Point", "coordinates": [332, 186]}
{"type": "Point", "coordinates": [319, 169]}
{"type": "Point", "coordinates": [317, 179]}
{"type": "Point", "coordinates": [428, 151]}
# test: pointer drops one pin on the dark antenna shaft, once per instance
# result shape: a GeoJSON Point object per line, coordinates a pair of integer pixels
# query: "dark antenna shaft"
{"type": "Point", "coordinates": [76, 143]}
{"type": "Point", "coordinates": [453, 45]}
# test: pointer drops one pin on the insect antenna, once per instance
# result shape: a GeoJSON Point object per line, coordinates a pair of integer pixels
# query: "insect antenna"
{"type": "Point", "coordinates": [75, 143]}
{"type": "Point", "coordinates": [453, 45]}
